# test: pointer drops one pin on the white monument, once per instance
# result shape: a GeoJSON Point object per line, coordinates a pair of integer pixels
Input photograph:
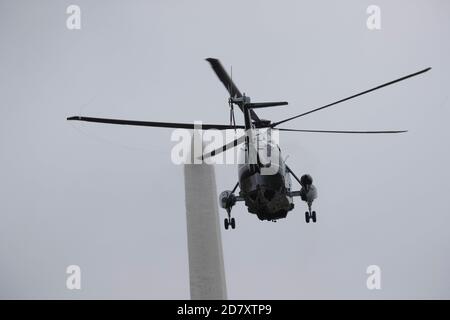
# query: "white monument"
{"type": "Point", "coordinates": [206, 265]}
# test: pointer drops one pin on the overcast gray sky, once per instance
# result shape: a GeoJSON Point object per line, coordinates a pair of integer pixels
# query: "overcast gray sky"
{"type": "Point", "coordinates": [109, 199]}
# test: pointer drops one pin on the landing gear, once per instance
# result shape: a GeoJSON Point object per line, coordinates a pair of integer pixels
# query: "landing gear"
{"type": "Point", "coordinates": [233, 223]}
{"type": "Point", "coordinates": [227, 200]}
{"type": "Point", "coordinates": [226, 223]}
{"type": "Point", "coordinates": [229, 222]}
{"type": "Point", "coordinates": [310, 215]}
{"type": "Point", "coordinates": [307, 193]}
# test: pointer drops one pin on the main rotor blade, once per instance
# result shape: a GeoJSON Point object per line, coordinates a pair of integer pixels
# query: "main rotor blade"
{"type": "Point", "coordinates": [224, 148]}
{"type": "Point", "coordinates": [156, 124]}
{"type": "Point", "coordinates": [224, 77]}
{"type": "Point", "coordinates": [351, 97]}
{"type": "Point", "coordinates": [342, 131]}
{"type": "Point", "coordinates": [228, 83]}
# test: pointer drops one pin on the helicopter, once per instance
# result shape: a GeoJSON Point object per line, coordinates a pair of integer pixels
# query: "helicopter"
{"type": "Point", "coordinates": [264, 178]}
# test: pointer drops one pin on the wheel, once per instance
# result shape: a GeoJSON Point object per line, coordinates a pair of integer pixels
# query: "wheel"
{"type": "Point", "coordinates": [307, 217]}
{"type": "Point", "coordinates": [226, 223]}
{"type": "Point", "coordinates": [314, 217]}
{"type": "Point", "coordinates": [233, 223]}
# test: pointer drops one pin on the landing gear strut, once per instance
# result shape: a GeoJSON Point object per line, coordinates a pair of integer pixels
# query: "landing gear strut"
{"type": "Point", "coordinates": [310, 215]}
{"type": "Point", "coordinates": [308, 193]}
{"type": "Point", "coordinates": [229, 221]}
{"type": "Point", "coordinates": [227, 200]}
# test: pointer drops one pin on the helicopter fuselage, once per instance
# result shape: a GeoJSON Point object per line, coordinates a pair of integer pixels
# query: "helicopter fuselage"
{"type": "Point", "coordinates": [267, 196]}
{"type": "Point", "coordinates": [265, 186]}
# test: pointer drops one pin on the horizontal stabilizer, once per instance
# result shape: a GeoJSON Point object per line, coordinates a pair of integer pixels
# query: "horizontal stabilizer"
{"type": "Point", "coordinates": [266, 104]}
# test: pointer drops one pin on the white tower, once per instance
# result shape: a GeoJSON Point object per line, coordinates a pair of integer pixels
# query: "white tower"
{"type": "Point", "coordinates": [206, 265]}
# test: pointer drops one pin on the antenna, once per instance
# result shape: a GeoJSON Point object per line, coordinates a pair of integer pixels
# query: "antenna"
{"type": "Point", "coordinates": [230, 101]}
